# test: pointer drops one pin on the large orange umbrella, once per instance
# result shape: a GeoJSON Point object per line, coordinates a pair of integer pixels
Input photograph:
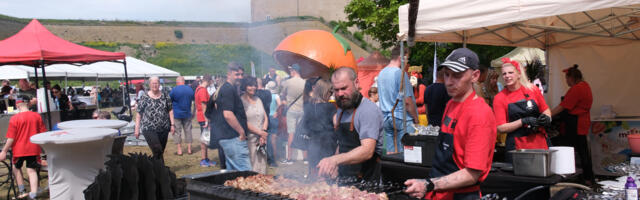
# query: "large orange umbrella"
{"type": "Point", "coordinates": [317, 52]}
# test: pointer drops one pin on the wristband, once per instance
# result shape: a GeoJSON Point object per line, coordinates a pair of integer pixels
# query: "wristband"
{"type": "Point", "coordinates": [429, 185]}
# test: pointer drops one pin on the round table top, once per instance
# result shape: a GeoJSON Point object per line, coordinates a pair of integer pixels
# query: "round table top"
{"type": "Point", "coordinates": [92, 123]}
{"type": "Point", "coordinates": [77, 135]}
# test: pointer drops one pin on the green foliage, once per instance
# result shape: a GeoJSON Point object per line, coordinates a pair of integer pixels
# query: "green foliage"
{"type": "Point", "coordinates": [178, 34]}
{"type": "Point", "coordinates": [378, 19]}
{"type": "Point", "coordinates": [100, 45]}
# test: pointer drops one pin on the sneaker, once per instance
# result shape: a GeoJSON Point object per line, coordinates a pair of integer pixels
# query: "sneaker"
{"type": "Point", "coordinates": [286, 162]}
{"type": "Point", "coordinates": [204, 163]}
{"type": "Point", "coordinates": [211, 163]}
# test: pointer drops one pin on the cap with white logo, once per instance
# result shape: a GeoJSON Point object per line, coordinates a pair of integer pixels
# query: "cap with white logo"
{"type": "Point", "coordinates": [460, 60]}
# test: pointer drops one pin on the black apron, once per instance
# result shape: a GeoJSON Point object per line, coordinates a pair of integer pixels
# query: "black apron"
{"type": "Point", "coordinates": [349, 139]}
{"type": "Point", "coordinates": [443, 163]}
{"type": "Point", "coordinates": [524, 108]}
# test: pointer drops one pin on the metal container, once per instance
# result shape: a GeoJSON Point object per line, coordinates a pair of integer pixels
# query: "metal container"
{"type": "Point", "coordinates": [532, 162]}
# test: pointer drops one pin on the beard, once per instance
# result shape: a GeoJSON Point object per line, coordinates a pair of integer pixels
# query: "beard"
{"type": "Point", "coordinates": [349, 102]}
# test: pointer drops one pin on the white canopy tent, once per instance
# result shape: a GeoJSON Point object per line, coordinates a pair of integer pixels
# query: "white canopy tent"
{"type": "Point", "coordinates": [13, 72]}
{"type": "Point", "coordinates": [601, 36]}
{"type": "Point", "coordinates": [136, 69]}
{"type": "Point", "coordinates": [522, 55]}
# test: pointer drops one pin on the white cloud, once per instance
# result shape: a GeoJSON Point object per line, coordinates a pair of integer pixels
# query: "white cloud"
{"type": "Point", "coordinates": [146, 10]}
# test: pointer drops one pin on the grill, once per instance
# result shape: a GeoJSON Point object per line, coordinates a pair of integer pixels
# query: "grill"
{"type": "Point", "coordinates": [210, 185]}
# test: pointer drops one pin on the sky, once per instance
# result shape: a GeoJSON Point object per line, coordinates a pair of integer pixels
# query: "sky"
{"type": "Point", "coordinates": [139, 10]}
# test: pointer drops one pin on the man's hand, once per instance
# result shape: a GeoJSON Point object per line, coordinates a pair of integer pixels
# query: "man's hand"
{"type": "Point", "coordinates": [242, 137]}
{"type": "Point", "coordinates": [416, 188]}
{"type": "Point", "coordinates": [328, 167]}
{"type": "Point", "coordinates": [3, 155]}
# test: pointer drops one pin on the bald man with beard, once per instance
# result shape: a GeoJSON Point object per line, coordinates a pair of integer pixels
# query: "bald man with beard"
{"type": "Point", "coordinates": [359, 132]}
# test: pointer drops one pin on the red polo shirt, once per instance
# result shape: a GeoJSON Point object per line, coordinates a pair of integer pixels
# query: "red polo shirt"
{"type": "Point", "coordinates": [474, 139]}
{"type": "Point", "coordinates": [578, 101]}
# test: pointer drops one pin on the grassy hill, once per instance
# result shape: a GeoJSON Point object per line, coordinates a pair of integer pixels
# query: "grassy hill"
{"type": "Point", "coordinates": [195, 59]}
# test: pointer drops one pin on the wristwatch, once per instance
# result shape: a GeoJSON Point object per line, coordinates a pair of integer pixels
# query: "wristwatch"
{"type": "Point", "coordinates": [428, 184]}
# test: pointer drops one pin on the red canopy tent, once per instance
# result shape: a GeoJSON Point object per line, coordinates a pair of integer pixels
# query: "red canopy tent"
{"type": "Point", "coordinates": [35, 46]}
{"type": "Point", "coordinates": [368, 69]}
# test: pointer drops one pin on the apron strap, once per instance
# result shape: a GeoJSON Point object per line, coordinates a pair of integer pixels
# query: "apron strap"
{"type": "Point", "coordinates": [353, 115]}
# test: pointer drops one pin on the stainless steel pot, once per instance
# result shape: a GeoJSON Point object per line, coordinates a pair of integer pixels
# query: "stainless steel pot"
{"type": "Point", "coordinates": [532, 162]}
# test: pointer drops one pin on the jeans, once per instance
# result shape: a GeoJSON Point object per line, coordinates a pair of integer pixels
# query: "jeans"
{"type": "Point", "coordinates": [236, 154]}
{"type": "Point", "coordinates": [388, 133]}
{"type": "Point", "coordinates": [273, 129]}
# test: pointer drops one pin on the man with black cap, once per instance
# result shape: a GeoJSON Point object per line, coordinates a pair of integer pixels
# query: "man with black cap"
{"type": "Point", "coordinates": [467, 136]}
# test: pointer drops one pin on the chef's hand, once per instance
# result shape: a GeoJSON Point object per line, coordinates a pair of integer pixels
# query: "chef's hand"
{"type": "Point", "coordinates": [328, 167]}
{"type": "Point", "coordinates": [544, 120]}
{"type": "Point", "coordinates": [416, 188]}
{"type": "Point", "coordinates": [529, 122]}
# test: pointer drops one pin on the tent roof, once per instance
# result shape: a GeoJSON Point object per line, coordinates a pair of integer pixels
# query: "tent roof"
{"type": "Point", "coordinates": [531, 23]}
{"type": "Point", "coordinates": [135, 69]}
{"type": "Point", "coordinates": [35, 43]}
{"type": "Point", "coordinates": [375, 61]}
{"type": "Point", "coordinates": [522, 55]}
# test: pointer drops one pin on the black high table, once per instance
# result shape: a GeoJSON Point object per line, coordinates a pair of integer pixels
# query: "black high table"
{"type": "Point", "coordinates": [503, 183]}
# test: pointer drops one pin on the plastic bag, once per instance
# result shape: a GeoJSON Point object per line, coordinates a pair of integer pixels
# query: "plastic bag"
{"type": "Point", "coordinates": [205, 137]}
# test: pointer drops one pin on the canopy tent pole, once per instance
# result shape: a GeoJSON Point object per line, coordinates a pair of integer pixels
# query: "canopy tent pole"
{"type": "Point", "coordinates": [402, 86]}
{"type": "Point", "coordinates": [35, 71]}
{"type": "Point", "coordinates": [66, 84]}
{"type": "Point", "coordinates": [46, 94]}
{"type": "Point", "coordinates": [126, 83]}
{"type": "Point", "coordinates": [97, 94]}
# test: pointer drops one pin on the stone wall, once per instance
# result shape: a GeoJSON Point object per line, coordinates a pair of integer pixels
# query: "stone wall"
{"type": "Point", "coordinates": [327, 9]}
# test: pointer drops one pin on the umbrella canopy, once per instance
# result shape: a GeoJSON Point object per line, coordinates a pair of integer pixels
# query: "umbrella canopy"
{"type": "Point", "coordinates": [316, 51]}
{"type": "Point", "coordinates": [522, 55]}
{"type": "Point", "coordinates": [368, 69]}
{"type": "Point", "coordinates": [34, 43]}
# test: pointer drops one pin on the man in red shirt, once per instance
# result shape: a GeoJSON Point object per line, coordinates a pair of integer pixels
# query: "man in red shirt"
{"type": "Point", "coordinates": [21, 127]}
{"type": "Point", "coordinates": [460, 164]}
{"type": "Point", "coordinates": [200, 100]}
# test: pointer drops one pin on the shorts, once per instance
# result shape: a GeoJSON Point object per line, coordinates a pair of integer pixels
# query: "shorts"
{"type": "Point", "coordinates": [293, 117]}
{"type": "Point", "coordinates": [182, 126]}
{"type": "Point", "coordinates": [33, 162]}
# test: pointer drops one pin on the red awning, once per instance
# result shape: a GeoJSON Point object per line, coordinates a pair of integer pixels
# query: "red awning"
{"type": "Point", "coordinates": [34, 43]}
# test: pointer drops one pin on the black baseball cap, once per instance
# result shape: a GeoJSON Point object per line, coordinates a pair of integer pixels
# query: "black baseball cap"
{"type": "Point", "coordinates": [460, 60]}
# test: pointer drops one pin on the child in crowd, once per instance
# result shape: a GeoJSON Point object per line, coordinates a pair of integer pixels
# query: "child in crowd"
{"type": "Point", "coordinates": [21, 127]}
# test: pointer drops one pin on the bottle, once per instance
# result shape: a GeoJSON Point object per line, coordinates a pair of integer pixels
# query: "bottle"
{"type": "Point", "coordinates": [631, 190]}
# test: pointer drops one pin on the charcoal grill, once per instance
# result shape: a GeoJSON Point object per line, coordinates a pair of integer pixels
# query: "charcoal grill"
{"type": "Point", "coordinates": [210, 185]}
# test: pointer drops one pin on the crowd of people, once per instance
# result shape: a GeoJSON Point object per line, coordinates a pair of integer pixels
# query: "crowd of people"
{"type": "Point", "coordinates": [339, 132]}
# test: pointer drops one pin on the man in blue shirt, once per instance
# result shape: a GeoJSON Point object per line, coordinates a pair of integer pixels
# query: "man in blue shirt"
{"type": "Point", "coordinates": [389, 85]}
{"type": "Point", "coordinates": [182, 96]}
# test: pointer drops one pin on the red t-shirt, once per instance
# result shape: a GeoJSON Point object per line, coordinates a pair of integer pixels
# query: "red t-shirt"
{"type": "Point", "coordinates": [578, 101]}
{"type": "Point", "coordinates": [21, 127]}
{"type": "Point", "coordinates": [202, 96]}
{"type": "Point", "coordinates": [500, 108]}
{"type": "Point", "coordinates": [474, 139]}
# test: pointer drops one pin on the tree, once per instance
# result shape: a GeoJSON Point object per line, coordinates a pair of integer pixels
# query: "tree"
{"type": "Point", "coordinates": [379, 19]}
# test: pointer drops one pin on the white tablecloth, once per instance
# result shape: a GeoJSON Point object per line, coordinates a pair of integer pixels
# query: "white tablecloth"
{"type": "Point", "coordinates": [92, 123]}
{"type": "Point", "coordinates": [74, 158]}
